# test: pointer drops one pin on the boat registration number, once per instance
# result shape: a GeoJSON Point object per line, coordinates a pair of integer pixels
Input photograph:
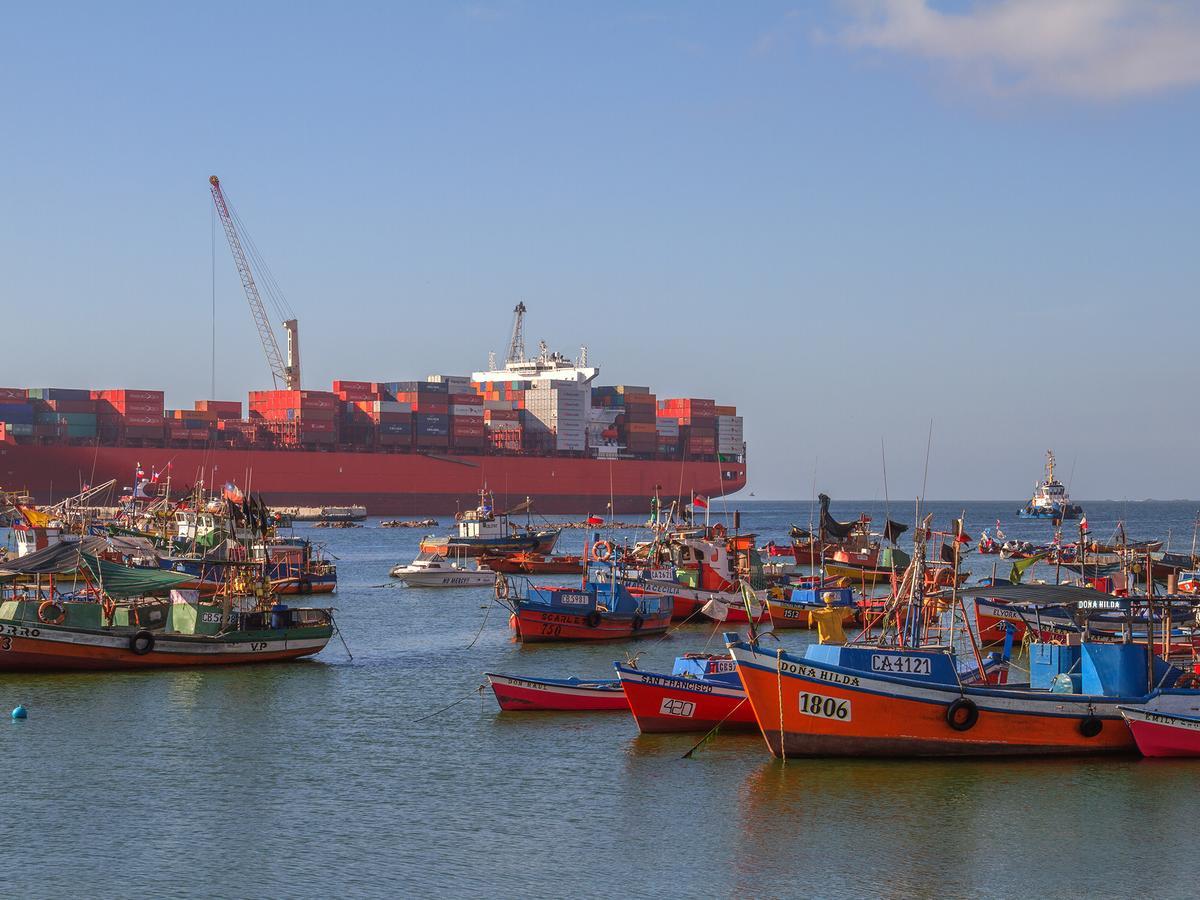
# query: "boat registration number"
{"type": "Point", "coordinates": [825, 707]}
{"type": "Point", "coordinates": [683, 708]}
{"type": "Point", "coordinates": [901, 665]}
{"type": "Point", "coordinates": [574, 598]}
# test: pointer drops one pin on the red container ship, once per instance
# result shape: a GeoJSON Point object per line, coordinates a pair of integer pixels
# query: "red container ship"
{"type": "Point", "coordinates": [535, 428]}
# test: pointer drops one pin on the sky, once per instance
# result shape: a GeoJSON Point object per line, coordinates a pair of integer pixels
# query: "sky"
{"type": "Point", "coordinates": [874, 226]}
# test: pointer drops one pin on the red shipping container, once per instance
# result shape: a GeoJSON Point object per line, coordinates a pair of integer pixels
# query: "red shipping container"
{"type": "Point", "coordinates": [221, 407]}
{"type": "Point", "coordinates": [13, 395]}
{"type": "Point", "coordinates": [129, 396]}
{"type": "Point", "coordinates": [352, 386]}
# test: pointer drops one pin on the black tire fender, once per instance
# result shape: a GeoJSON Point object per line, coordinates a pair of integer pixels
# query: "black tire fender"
{"type": "Point", "coordinates": [142, 642]}
{"type": "Point", "coordinates": [637, 622]}
{"type": "Point", "coordinates": [593, 619]}
{"type": "Point", "coordinates": [962, 714]}
{"type": "Point", "coordinates": [1090, 727]}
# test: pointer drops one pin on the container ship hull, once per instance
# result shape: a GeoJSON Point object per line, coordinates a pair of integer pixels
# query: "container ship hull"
{"type": "Point", "coordinates": [385, 483]}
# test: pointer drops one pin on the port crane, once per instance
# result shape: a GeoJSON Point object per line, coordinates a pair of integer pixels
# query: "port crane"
{"type": "Point", "coordinates": [286, 373]}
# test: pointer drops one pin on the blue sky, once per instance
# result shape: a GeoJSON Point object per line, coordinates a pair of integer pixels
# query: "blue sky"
{"type": "Point", "coordinates": [847, 218]}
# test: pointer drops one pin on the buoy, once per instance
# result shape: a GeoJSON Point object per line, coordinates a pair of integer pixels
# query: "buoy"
{"type": "Point", "coordinates": [20, 713]}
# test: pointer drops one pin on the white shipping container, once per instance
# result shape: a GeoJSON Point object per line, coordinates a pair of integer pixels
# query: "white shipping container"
{"type": "Point", "coordinates": [392, 406]}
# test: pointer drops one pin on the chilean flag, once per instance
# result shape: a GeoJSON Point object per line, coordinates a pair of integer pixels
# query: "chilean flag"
{"type": "Point", "coordinates": [700, 501]}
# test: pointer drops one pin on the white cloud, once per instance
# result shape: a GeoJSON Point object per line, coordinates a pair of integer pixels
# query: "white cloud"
{"type": "Point", "coordinates": [1093, 49]}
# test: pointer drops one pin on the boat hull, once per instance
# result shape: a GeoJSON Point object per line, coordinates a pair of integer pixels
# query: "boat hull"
{"type": "Point", "coordinates": [385, 483]}
{"type": "Point", "coordinates": [47, 649]}
{"type": "Point", "coordinates": [1164, 735]}
{"type": "Point", "coordinates": [804, 708]}
{"type": "Point", "coordinates": [516, 694]}
{"type": "Point", "coordinates": [668, 703]}
{"type": "Point", "coordinates": [541, 626]}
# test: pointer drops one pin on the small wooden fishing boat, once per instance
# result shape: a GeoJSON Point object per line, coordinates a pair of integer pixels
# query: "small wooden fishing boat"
{"type": "Point", "coordinates": [525, 694]}
{"type": "Point", "coordinates": [702, 692]}
{"type": "Point", "coordinates": [529, 563]}
{"type": "Point", "coordinates": [791, 610]}
{"type": "Point", "coordinates": [483, 531]}
{"type": "Point", "coordinates": [118, 617]}
{"type": "Point", "coordinates": [595, 611]}
{"type": "Point", "coordinates": [1163, 734]}
{"type": "Point", "coordinates": [827, 704]}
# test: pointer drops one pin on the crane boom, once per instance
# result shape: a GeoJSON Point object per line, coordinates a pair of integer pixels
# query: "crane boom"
{"type": "Point", "coordinates": [516, 344]}
{"type": "Point", "coordinates": [286, 372]}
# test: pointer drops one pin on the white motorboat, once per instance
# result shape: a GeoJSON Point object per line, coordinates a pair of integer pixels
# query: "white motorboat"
{"type": "Point", "coordinates": [434, 570]}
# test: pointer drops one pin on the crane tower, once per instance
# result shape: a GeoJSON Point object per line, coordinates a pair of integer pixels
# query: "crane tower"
{"type": "Point", "coordinates": [283, 372]}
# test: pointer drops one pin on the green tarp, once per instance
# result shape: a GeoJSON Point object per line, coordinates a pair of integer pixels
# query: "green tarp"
{"type": "Point", "coordinates": [122, 582]}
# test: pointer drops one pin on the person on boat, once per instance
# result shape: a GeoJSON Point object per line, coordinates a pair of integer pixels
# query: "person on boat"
{"type": "Point", "coordinates": [828, 622]}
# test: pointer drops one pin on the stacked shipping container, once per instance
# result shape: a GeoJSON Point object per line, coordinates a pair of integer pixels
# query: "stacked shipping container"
{"type": "Point", "coordinates": [297, 418]}
{"type": "Point", "coordinates": [126, 414]}
{"type": "Point", "coordinates": [445, 412]}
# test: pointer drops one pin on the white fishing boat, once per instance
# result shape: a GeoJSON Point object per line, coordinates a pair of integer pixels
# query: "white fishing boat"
{"type": "Point", "coordinates": [435, 570]}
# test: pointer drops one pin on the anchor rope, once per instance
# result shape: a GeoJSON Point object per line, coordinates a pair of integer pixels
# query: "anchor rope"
{"type": "Point", "coordinates": [486, 611]}
{"type": "Point", "coordinates": [712, 731]}
{"type": "Point", "coordinates": [478, 691]}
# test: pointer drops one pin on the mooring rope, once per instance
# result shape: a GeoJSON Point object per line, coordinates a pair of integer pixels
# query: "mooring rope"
{"type": "Point", "coordinates": [486, 611]}
{"type": "Point", "coordinates": [712, 731]}
{"type": "Point", "coordinates": [478, 691]}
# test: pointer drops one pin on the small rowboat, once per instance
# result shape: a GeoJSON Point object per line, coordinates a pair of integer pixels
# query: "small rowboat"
{"type": "Point", "coordinates": [702, 692]}
{"type": "Point", "coordinates": [1163, 734]}
{"type": "Point", "coordinates": [515, 694]}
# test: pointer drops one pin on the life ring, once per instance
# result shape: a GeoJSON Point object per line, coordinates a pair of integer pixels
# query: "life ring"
{"type": "Point", "coordinates": [602, 551]}
{"type": "Point", "coordinates": [1090, 727]}
{"type": "Point", "coordinates": [142, 643]}
{"type": "Point", "coordinates": [962, 714]}
{"type": "Point", "coordinates": [501, 588]}
{"type": "Point", "coordinates": [1188, 681]}
{"type": "Point", "coordinates": [637, 622]}
{"type": "Point", "coordinates": [593, 619]}
{"type": "Point", "coordinates": [44, 612]}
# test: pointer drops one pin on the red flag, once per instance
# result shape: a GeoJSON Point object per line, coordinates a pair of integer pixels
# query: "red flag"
{"type": "Point", "coordinates": [595, 520]}
{"type": "Point", "coordinates": [700, 501]}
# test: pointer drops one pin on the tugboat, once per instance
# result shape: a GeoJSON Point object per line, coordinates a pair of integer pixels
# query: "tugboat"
{"type": "Point", "coordinates": [482, 531]}
{"type": "Point", "coordinates": [1050, 500]}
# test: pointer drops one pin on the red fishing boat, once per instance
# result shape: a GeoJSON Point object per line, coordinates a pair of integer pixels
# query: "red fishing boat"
{"type": "Point", "coordinates": [702, 692]}
{"type": "Point", "coordinates": [1163, 734]}
{"type": "Point", "coordinates": [530, 563]}
{"type": "Point", "coordinates": [595, 611]}
{"type": "Point", "coordinates": [524, 694]}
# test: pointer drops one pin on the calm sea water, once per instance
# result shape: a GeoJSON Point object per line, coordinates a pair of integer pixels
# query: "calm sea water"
{"type": "Point", "coordinates": [341, 777]}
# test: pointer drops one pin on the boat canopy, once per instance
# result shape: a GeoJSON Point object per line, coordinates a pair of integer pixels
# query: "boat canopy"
{"type": "Point", "coordinates": [122, 582]}
{"type": "Point", "coordinates": [1040, 594]}
{"type": "Point", "coordinates": [64, 558]}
